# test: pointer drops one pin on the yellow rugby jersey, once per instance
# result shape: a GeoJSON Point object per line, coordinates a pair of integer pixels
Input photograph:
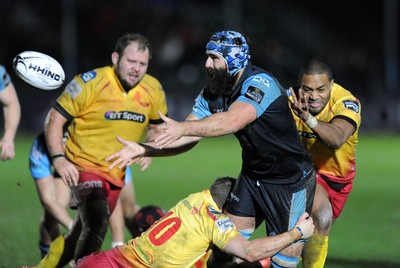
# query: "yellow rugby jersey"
{"type": "Point", "coordinates": [339, 165]}
{"type": "Point", "coordinates": [182, 236]}
{"type": "Point", "coordinates": [101, 109]}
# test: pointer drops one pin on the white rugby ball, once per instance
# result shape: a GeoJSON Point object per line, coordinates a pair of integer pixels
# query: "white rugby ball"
{"type": "Point", "coordinates": [39, 70]}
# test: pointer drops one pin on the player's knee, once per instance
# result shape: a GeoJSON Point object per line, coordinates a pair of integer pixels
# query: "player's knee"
{"type": "Point", "coordinates": [280, 260]}
{"type": "Point", "coordinates": [323, 220]}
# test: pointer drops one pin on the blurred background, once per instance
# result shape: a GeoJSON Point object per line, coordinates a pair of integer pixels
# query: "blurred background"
{"type": "Point", "coordinates": [359, 40]}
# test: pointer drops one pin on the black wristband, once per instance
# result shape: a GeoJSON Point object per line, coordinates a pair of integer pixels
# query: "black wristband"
{"type": "Point", "coordinates": [57, 156]}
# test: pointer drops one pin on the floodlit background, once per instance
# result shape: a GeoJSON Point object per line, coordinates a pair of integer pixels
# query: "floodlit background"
{"type": "Point", "coordinates": [358, 39]}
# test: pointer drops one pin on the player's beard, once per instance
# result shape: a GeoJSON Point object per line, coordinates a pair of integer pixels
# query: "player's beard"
{"type": "Point", "coordinates": [219, 83]}
{"type": "Point", "coordinates": [126, 85]}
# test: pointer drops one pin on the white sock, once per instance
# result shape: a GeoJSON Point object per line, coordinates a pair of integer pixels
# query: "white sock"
{"type": "Point", "coordinates": [116, 243]}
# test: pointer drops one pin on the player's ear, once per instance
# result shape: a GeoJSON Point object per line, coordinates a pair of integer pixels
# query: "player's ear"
{"type": "Point", "coordinates": [114, 58]}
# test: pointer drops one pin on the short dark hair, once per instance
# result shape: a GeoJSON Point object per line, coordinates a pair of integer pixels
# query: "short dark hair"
{"type": "Point", "coordinates": [129, 38]}
{"type": "Point", "coordinates": [221, 189]}
{"type": "Point", "coordinates": [315, 66]}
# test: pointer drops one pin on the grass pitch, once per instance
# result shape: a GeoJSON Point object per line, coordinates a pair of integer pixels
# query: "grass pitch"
{"type": "Point", "coordinates": [365, 235]}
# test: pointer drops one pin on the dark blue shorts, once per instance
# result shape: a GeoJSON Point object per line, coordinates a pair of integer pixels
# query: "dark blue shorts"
{"type": "Point", "coordinates": [279, 205]}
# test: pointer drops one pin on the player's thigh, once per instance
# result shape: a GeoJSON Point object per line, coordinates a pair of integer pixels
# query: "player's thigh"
{"type": "Point", "coordinates": [63, 192]}
{"type": "Point", "coordinates": [127, 198]}
{"type": "Point", "coordinates": [127, 194]}
{"type": "Point", "coordinates": [46, 189]}
{"type": "Point", "coordinates": [321, 201]}
{"type": "Point", "coordinates": [117, 216]}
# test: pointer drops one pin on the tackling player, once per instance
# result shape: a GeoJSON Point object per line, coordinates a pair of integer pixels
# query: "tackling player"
{"type": "Point", "coordinates": [328, 118]}
{"type": "Point", "coordinates": [189, 229]}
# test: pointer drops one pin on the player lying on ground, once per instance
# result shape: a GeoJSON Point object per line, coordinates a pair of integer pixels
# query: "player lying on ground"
{"type": "Point", "coordinates": [189, 229]}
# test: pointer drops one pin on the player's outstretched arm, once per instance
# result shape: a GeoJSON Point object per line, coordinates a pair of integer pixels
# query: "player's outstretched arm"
{"type": "Point", "coordinates": [266, 247]}
{"type": "Point", "coordinates": [239, 115]}
{"type": "Point", "coordinates": [133, 152]}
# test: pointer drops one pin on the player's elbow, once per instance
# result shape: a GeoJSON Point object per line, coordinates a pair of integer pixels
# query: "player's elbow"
{"type": "Point", "coordinates": [253, 256]}
{"type": "Point", "coordinates": [250, 257]}
{"type": "Point", "coordinates": [336, 144]}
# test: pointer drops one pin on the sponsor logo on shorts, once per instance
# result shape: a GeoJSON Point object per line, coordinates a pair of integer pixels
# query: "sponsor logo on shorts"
{"type": "Point", "coordinates": [351, 105]}
{"type": "Point", "coordinates": [125, 115]}
{"type": "Point", "coordinates": [86, 77]}
{"type": "Point", "coordinates": [235, 197]}
{"type": "Point", "coordinates": [254, 94]}
{"type": "Point", "coordinates": [90, 184]}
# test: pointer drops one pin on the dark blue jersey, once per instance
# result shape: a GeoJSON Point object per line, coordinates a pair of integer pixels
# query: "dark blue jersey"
{"type": "Point", "coordinates": [271, 148]}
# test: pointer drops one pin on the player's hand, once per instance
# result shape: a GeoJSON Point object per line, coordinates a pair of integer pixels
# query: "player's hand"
{"type": "Point", "coordinates": [169, 132]}
{"type": "Point", "coordinates": [67, 171]}
{"type": "Point", "coordinates": [306, 225]}
{"type": "Point", "coordinates": [144, 163]}
{"type": "Point", "coordinates": [130, 154]}
{"type": "Point", "coordinates": [299, 104]}
{"type": "Point", "coordinates": [7, 150]}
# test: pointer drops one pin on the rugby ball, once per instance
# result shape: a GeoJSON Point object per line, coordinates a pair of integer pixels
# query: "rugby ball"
{"type": "Point", "coordinates": [39, 70]}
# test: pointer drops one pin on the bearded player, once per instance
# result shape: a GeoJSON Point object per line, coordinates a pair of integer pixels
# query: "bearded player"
{"type": "Point", "coordinates": [101, 103]}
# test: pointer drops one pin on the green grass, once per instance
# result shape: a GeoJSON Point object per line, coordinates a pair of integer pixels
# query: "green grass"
{"type": "Point", "coordinates": [366, 234]}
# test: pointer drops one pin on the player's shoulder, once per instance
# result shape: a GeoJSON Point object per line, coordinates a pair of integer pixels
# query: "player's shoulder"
{"type": "Point", "coordinates": [343, 98]}
{"type": "Point", "coordinates": [94, 75]}
{"type": "Point", "coordinates": [151, 83]}
{"type": "Point", "coordinates": [339, 91]}
{"type": "Point", "coordinates": [262, 79]}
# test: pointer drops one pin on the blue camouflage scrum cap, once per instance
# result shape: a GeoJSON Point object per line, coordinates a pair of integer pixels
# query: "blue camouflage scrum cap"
{"type": "Point", "coordinates": [232, 46]}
